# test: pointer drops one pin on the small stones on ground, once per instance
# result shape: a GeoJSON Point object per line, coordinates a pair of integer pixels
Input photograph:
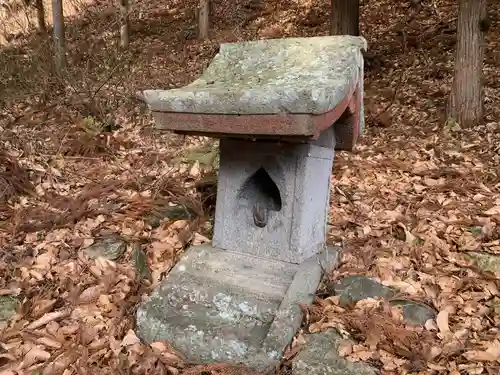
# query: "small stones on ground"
{"type": "Point", "coordinates": [319, 357]}
{"type": "Point", "coordinates": [354, 288]}
{"type": "Point", "coordinates": [415, 312]}
{"type": "Point", "coordinates": [111, 248]}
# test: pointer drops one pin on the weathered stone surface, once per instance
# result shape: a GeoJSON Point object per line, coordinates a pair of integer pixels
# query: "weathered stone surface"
{"type": "Point", "coordinates": [354, 288]}
{"type": "Point", "coordinates": [351, 123]}
{"type": "Point", "coordinates": [8, 306]}
{"type": "Point", "coordinates": [320, 357]}
{"type": "Point", "coordinates": [217, 305]}
{"type": "Point", "coordinates": [284, 128]}
{"type": "Point", "coordinates": [111, 247]}
{"type": "Point", "coordinates": [415, 312]}
{"type": "Point", "coordinates": [276, 76]}
{"type": "Point", "coordinates": [282, 89]}
{"type": "Point", "coordinates": [290, 182]}
{"type": "Point", "coordinates": [303, 286]}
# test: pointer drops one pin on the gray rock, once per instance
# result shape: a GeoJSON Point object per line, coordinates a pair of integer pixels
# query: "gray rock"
{"type": "Point", "coordinates": [319, 357]}
{"type": "Point", "coordinates": [415, 312]}
{"type": "Point", "coordinates": [354, 288]}
{"type": "Point", "coordinates": [290, 75]}
{"type": "Point", "coordinates": [111, 247]}
{"type": "Point", "coordinates": [8, 306]}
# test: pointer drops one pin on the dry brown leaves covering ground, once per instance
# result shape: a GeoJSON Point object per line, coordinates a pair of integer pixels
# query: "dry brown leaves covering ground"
{"type": "Point", "coordinates": [79, 162]}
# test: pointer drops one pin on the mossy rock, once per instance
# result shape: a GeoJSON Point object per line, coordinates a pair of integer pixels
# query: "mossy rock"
{"type": "Point", "coordinates": [8, 307]}
{"type": "Point", "coordinates": [487, 262]}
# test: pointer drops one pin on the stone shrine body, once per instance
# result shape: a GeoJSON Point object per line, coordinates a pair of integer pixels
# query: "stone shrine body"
{"type": "Point", "coordinates": [281, 108]}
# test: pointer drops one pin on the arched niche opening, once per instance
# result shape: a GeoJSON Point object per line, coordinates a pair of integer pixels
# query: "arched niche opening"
{"type": "Point", "coordinates": [263, 194]}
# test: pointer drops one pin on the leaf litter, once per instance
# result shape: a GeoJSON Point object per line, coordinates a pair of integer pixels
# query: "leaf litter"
{"type": "Point", "coordinates": [412, 207]}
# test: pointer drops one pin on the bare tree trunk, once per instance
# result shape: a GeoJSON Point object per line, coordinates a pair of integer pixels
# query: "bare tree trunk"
{"type": "Point", "coordinates": [466, 98]}
{"type": "Point", "coordinates": [59, 42]}
{"type": "Point", "coordinates": [204, 18]}
{"type": "Point", "coordinates": [344, 18]}
{"type": "Point", "coordinates": [124, 23]}
{"type": "Point", "coordinates": [40, 15]}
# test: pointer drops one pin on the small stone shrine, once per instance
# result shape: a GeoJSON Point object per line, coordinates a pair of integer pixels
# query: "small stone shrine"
{"type": "Point", "coordinates": [281, 108]}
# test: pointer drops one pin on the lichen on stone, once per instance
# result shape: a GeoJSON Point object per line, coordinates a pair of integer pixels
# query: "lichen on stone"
{"type": "Point", "coordinates": [291, 75]}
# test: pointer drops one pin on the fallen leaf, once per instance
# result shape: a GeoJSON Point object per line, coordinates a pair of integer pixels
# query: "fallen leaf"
{"type": "Point", "coordinates": [493, 211]}
{"type": "Point", "coordinates": [159, 347]}
{"type": "Point", "coordinates": [471, 368]}
{"type": "Point", "coordinates": [49, 317]}
{"type": "Point", "coordinates": [431, 325]}
{"type": "Point", "coordinates": [91, 294]}
{"type": "Point", "coordinates": [47, 341]}
{"type": "Point", "coordinates": [60, 364]}
{"type": "Point", "coordinates": [195, 169]}
{"type": "Point", "coordinates": [480, 355]}
{"type": "Point", "coordinates": [10, 292]}
{"type": "Point", "coordinates": [442, 321]}
{"type": "Point", "coordinates": [410, 239]}
{"type": "Point", "coordinates": [433, 352]}
{"type": "Point", "coordinates": [41, 307]}
{"type": "Point", "coordinates": [33, 356]}
{"type": "Point", "coordinates": [130, 339]}
{"type": "Point", "coordinates": [171, 370]}
{"type": "Point", "coordinates": [345, 348]}
{"type": "Point", "coordinates": [87, 242]}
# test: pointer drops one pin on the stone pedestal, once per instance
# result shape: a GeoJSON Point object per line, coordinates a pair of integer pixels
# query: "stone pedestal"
{"type": "Point", "coordinates": [276, 105]}
{"type": "Point", "coordinates": [218, 305]}
{"type": "Point", "coordinates": [272, 199]}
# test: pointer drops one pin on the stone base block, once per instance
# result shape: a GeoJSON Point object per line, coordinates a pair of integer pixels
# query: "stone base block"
{"type": "Point", "coordinates": [217, 305]}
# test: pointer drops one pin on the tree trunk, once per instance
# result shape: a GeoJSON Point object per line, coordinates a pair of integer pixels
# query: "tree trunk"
{"type": "Point", "coordinates": [344, 17]}
{"type": "Point", "coordinates": [204, 18]}
{"type": "Point", "coordinates": [40, 15]}
{"type": "Point", "coordinates": [59, 42]}
{"type": "Point", "coordinates": [124, 23]}
{"type": "Point", "coordinates": [466, 99]}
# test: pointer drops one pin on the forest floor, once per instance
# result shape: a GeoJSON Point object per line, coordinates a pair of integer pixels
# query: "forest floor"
{"type": "Point", "coordinates": [416, 206]}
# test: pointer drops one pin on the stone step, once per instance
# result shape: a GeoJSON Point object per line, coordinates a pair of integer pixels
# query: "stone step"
{"type": "Point", "coordinates": [216, 305]}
